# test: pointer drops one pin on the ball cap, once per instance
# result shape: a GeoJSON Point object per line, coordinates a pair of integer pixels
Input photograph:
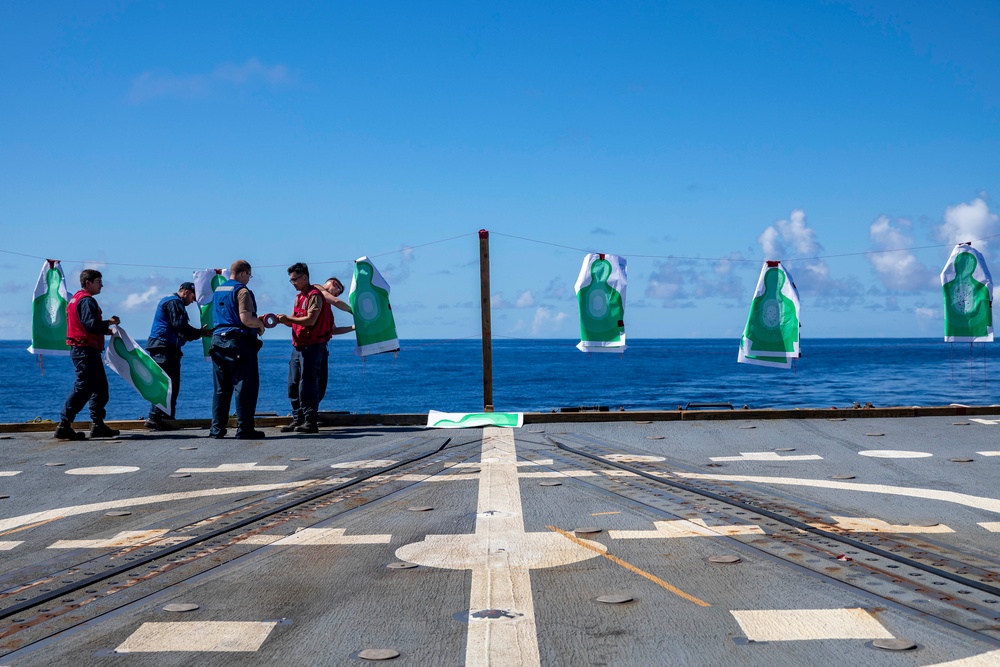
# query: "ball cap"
{"type": "Point", "coordinates": [188, 285]}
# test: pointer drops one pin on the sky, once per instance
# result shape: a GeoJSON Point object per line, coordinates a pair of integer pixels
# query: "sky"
{"type": "Point", "coordinates": [856, 142]}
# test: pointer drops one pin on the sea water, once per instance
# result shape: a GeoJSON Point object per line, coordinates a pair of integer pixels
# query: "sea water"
{"type": "Point", "coordinates": [546, 375]}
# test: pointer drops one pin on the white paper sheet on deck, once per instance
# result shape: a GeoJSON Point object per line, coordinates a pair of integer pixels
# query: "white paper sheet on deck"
{"type": "Point", "coordinates": [968, 297]}
{"type": "Point", "coordinates": [437, 419]}
{"type": "Point", "coordinates": [134, 365]}
{"type": "Point", "coordinates": [600, 293]}
{"type": "Point", "coordinates": [48, 311]}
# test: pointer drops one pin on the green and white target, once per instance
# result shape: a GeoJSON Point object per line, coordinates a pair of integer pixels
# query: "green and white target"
{"type": "Point", "coordinates": [48, 311]}
{"type": "Point", "coordinates": [968, 297]}
{"type": "Point", "coordinates": [374, 325]}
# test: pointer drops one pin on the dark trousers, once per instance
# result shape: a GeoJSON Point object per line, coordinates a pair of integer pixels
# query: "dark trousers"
{"type": "Point", "coordinates": [307, 376]}
{"type": "Point", "coordinates": [169, 359]}
{"type": "Point", "coordinates": [91, 385]}
{"type": "Point", "coordinates": [234, 368]}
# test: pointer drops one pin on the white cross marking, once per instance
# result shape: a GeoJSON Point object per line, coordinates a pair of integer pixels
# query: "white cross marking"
{"type": "Point", "coordinates": [234, 467]}
{"type": "Point", "coordinates": [768, 456]}
{"type": "Point", "coordinates": [684, 528]}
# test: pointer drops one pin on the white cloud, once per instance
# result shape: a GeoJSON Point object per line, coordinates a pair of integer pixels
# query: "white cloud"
{"type": "Point", "coordinates": [678, 282]}
{"type": "Point", "coordinates": [787, 240]}
{"type": "Point", "coordinates": [547, 321]}
{"type": "Point", "coordinates": [135, 300]}
{"type": "Point", "coordinates": [399, 271]}
{"type": "Point", "coordinates": [525, 300]}
{"type": "Point", "coordinates": [153, 85]}
{"type": "Point", "coordinates": [897, 270]}
{"type": "Point", "coordinates": [927, 314]}
{"type": "Point", "coordinates": [968, 222]}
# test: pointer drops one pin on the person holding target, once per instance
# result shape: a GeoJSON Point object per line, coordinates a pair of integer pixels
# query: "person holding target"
{"type": "Point", "coordinates": [312, 326]}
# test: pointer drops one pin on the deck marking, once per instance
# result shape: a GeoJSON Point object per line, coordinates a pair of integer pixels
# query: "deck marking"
{"type": "Point", "coordinates": [559, 473]}
{"type": "Point", "coordinates": [992, 526]}
{"type": "Point", "coordinates": [632, 568]}
{"type": "Point", "coordinates": [102, 470]}
{"type": "Point", "coordinates": [233, 467]}
{"type": "Point", "coordinates": [318, 536]}
{"type": "Point", "coordinates": [30, 526]}
{"type": "Point", "coordinates": [684, 528]}
{"type": "Point", "coordinates": [987, 422]}
{"type": "Point", "coordinates": [868, 525]}
{"type": "Point", "coordinates": [9, 473]}
{"type": "Point", "coordinates": [500, 554]}
{"type": "Point", "coordinates": [126, 538]}
{"type": "Point", "coordinates": [776, 625]}
{"type": "Point", "coordinates": [634, 458]}
{"type": "Point", "coordinates": [452, 477]}
{"type": "Point", "coordinates": [215, 636]}
{"type": "Point", "coordinates": [369, 463]}
{"type": "Point", "coordinates": [603, 513]}
{"type": "Point", "coordinates": [7, 545]}
{"type": "Point", "coordinates": [988, 453]}
{"type": "Point", "coordinates": [894, 454]}
{"type": "Point", "coordinates": [766, 456]}
{"type": "Point", "coordinates": [44, 516]}
{"type": "Point", "coordinates": [979, 502]}
{"type": "Point", "coordinates": [988, 659]}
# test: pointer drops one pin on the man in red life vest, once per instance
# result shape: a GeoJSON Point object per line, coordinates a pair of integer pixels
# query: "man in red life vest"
{"type": "Point", "coordinates": [312, 327]}
{"type": "Point", "coordinates": [85, 332]}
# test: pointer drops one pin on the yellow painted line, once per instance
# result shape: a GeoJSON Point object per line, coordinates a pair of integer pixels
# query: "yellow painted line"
{"type": "Point", "coordinates": [604, 513]}
{"type": "Point", "coordinates": [632, 568]}
{"type": "Point", "coordinates": [30, 526]}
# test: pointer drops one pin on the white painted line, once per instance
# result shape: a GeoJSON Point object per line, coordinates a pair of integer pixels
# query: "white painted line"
{"type": "Point", "coordinates": [9, 473]}
{"type": "Point", "coordinates": [865, 525]}
{"type": "Point", "coordinates": [234, 467]}
{"type": "Point", "coordinates": [126, 538]}
{"type": "Point", "coordinates": [988, 453]}
{"type": "Point", "coordinates": [381, 463]}
{"type": "Point", "coordinates": [987, 422]}
{"type": "Point", "coordinates": [215, 636]}
{"type": "Point", "coordinates": [319, 536]}
{"type": "Point", "coordinates": [8, 545]}
{"type": "Point", "coordinates": [500, 555]}
{"type": "Point", "coordinates": [684, 528]}
{"type": "Point", "coordinates": [634, 458]}
{"type": "Point", "coordinates": [776, 625]}
{"type": "Point", "coordinates": [992, 526]}
{"type": "Point", "coordinates": [989, 659]}
{"type": "Point", "coordinates": [988, 504]}
{"type": "Point", "coordinates": [558, 473]}
{"type": "Point", "coordinates": [768, 456]}
{"type": "Point", "coordinates": [262, 539]}
{"type": "Point", "coordinates": [452, 477]}
{"type": "Point", "coordinates": [73, 510]}
{"type": "Point", "coordinates": [102, 470]}
{"type": "Point", "coordinates": [894, 454]}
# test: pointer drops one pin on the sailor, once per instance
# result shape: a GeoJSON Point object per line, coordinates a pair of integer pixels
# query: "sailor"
{"type": "Point", "coordinates": [85, 332]}
{"type": "Point", "coordinates": [312, 326]}
{"type": "Point", "coordinates": [166, 338]}
{"type": "Point", "coordinates": [235, 344]}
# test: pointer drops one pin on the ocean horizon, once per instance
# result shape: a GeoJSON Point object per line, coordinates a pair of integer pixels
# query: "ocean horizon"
{"type": "Point", "coordinates": [542, 375]}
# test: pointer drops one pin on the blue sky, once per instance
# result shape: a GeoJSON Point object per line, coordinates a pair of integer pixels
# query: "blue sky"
{"type": "Point", "coordinates": [696, 139]}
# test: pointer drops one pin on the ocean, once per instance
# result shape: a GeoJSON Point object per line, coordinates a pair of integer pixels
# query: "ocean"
{"type": "Point", "coordinates": [546, 375]}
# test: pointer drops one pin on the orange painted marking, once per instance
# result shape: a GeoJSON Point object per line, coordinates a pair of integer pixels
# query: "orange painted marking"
{"type": "Point", "coordinates": [632, 568]}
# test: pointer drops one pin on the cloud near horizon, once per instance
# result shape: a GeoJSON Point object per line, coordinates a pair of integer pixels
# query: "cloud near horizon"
{"type": "Point", "coordinates": [151, 85]}
{"type": "Point", "coordinates": [898, 270]}
{"type": "Point", "coordinates": [968, 222]}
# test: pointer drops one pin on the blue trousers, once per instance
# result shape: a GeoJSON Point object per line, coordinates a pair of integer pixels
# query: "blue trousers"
{"type": "Point", "coordinates": [307, 377]}
{"type": "Point", "coordinates": [234, 370]}
{"type": "Point", "coordinates": [91, 385]}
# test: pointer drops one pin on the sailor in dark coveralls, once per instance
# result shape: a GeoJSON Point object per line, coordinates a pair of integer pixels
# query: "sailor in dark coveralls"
{"type": "Point", "coordinates": [167, 336]}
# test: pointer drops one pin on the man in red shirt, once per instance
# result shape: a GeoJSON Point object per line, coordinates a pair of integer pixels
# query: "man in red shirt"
{"type": "Point", "coordinates": [312, 327]}
{"type": "Point", "coordinates": [85, 332]}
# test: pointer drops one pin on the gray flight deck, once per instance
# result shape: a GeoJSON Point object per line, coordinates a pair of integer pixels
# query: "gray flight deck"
{"type": "Point", "coordinates": [641, 540]}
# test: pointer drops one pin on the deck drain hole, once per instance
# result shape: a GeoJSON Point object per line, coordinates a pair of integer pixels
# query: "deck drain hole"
{"type": "Point", "coordinates": [378, 654]}
{"type": "Point", "coordinates": [725, 560]}
{"type": "Point", "coordinates": [615, 599]}
{"type": "Point", "coordinates": [587, 530]}
{"type": "Point", "coordinates": [894, 644]}
{"type": "Point", "coordinates": [181, 606]}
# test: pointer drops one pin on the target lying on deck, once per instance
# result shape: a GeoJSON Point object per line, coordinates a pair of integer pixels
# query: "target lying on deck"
{"type": "Point", "coordinates": [771, 336]}
{"type": "Point", "coordinates": [374, 325]}
{"type": "Point", "coordinates": [600, 293]}
{"type": "Point", "coordinates": [134, 365]}
{"type": "Point", "coordinates": [205, 283]}
{"type": "Point", "coordinates": [437, 419]}
{"type": "Point", "coordinates": [968, 297]}
{"type": "Point", "coordinates": [48, 311]}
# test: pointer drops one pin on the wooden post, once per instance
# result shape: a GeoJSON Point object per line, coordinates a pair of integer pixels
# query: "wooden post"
{"type": "Point", "coordinates": [484, 286]}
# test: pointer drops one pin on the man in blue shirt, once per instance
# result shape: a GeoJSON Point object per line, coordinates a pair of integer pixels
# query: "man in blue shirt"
{"type": "Point", "coordinates": [166, 338]}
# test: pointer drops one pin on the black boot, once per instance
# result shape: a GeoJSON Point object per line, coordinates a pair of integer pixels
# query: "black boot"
{"type": "Point", "coordinates": [102, 430]}
{"type": "Point", "coordinates": [291, 427]}
{"type": "Point", "coordinates": [65, 432]}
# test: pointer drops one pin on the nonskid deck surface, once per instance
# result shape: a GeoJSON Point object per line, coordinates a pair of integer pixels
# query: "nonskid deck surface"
{"type": "Point", "coordinates": [743, 542]}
